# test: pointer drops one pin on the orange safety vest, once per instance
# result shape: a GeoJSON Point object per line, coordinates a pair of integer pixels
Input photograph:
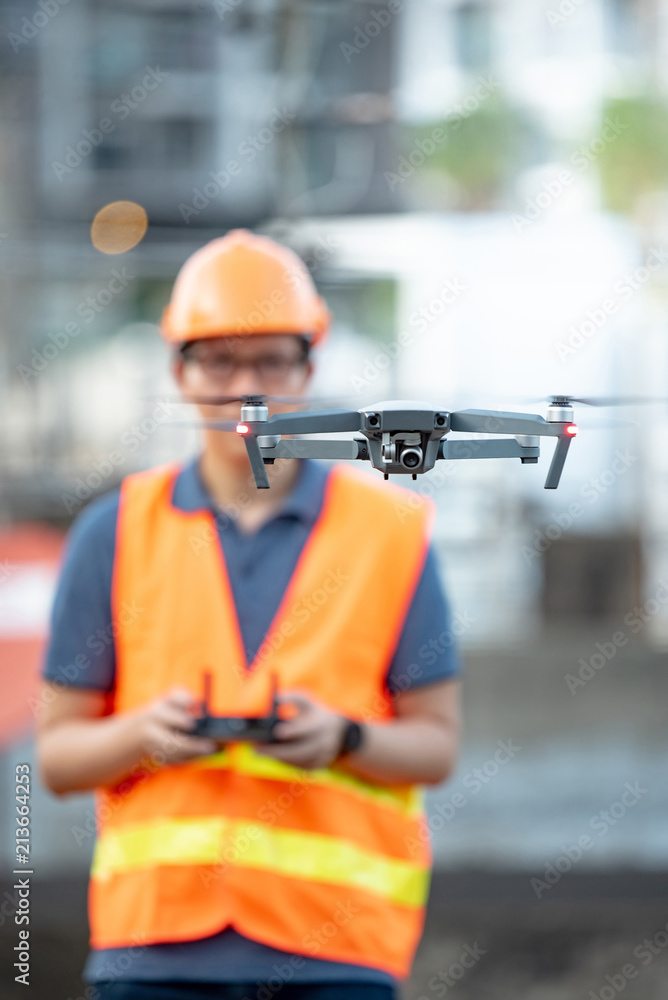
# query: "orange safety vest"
{"type": "Point", "coordinates": [312, 861]}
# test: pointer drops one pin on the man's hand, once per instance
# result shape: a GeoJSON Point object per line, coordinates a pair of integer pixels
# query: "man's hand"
{"type": "Point", "coordinates": [163, 728]}
{"type": "Point", "coordinates": [417, 746]}
{"type": "Point", "coordinates": [311, 738]}
{"type": "Point", "coordinates": [80, 746]}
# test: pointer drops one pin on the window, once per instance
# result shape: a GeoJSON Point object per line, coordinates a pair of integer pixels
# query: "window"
{"type": "Point", "coordinates": [473, 36]}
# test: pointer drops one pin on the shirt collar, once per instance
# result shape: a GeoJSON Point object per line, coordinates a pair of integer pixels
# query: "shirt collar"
{"type": "Point", "coordinates": [303, 502]}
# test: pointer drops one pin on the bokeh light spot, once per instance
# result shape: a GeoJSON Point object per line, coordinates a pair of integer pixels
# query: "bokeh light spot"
{"type": "Point", "coordinates": [118, 226]}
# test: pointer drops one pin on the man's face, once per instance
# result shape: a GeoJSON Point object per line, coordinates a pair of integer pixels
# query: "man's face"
{"type": "Point", "coordinates": [269, 364]}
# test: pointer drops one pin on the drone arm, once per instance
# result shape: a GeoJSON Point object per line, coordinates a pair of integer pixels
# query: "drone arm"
{"type": "Point", "coordinates": [315, 422]}
{"type": "Point", "coordinates": [317, 448]}
{"type": "Point", "coordinates": [499, 422]}
{"type": "Point", "coordinates": [477, 448]}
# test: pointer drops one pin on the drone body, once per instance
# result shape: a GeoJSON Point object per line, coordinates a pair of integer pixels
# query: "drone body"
{"type": "Point", "coordinates": [402, 437]}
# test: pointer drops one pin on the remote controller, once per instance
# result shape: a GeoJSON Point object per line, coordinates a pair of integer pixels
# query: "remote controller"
{"type": "Point", "coordinates": [227, 728]}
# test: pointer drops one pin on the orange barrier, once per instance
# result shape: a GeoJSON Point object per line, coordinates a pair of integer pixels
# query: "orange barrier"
{"type": "Point", "coordinates": [29, 561]}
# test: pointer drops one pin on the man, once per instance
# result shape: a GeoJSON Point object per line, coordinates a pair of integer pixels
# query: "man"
{"type": "Point", "coordinates": [299, 866]}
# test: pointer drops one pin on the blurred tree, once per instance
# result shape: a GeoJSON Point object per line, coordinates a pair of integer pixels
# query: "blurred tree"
{"type": "Point", "coordinates": [369, 307]}
{"type": "Point", "coordinates": [480, 153]}
{"type": "Point", "coordinates": [637, 161]}
{"type": "Point", "coordinates": [151, 297]}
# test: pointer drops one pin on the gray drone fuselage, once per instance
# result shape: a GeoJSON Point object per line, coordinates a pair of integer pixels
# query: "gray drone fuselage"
{"type": "Point", "coordinates": [404, 435]}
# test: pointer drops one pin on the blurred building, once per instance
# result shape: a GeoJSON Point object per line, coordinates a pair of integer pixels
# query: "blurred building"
{"type": "Point", "coordinates": [238, 113]}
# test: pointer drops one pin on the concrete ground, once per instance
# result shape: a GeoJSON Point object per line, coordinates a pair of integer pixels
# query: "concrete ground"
{"type": "Point", "coordinates": [483, 940]}
{"type": "Point", "coordinates": [499, 823]}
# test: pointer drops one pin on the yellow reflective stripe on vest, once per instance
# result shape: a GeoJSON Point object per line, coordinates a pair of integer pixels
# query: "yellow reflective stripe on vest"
{"type": "Point", "coordinates": [312, 856]}
{"type": "Point", "coordinates": [241, 757]}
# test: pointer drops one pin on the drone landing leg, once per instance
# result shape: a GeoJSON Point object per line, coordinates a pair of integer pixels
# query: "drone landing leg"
{"type": "Point", "coordinates": [256, 461]}
{"type": "Point", "coordinates": [558, 459]}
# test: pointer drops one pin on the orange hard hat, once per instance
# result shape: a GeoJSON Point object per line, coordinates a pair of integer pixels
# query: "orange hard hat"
{"type": "Point", "coordinates": [242, 283]}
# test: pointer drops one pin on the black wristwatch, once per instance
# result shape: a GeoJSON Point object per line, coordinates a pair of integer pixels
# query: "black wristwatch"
{"type": "Point", "coordinates": [353, 737]}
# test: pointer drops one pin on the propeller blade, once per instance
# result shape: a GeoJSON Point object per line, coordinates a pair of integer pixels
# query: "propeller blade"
{"type": "Point", "coordinates": [598, 400]}
{"type": "Point", "coordinates": [316, 422]}
{"type": "Point", "coordinates": [303, 401]}
{"type": "Point", "coordinates": [587, 424]}
{"type": "Point", "coordinates": [215, 425]}
{"type": "Point", "coordinates": [620, 400]}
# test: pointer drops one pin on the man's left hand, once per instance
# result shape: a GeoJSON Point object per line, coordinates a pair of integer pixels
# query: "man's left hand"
{"type": "Point", "coordinates": [311, 738]}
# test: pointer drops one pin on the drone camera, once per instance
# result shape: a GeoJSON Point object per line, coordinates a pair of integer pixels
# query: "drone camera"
{"type": "Point", "coordinates": [411, 458]}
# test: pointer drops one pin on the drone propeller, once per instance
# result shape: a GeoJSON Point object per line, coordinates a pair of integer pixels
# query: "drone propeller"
{"type": "Point", "coordinates": [308, 401]}
{"type": "Point", "coordinates": [600, 400]}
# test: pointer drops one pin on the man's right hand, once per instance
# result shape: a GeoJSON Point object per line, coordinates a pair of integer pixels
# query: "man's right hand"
{"type": "Point", "coordinates": [164, 728]}
{"type": "Point", "coordinates": [80, 746]}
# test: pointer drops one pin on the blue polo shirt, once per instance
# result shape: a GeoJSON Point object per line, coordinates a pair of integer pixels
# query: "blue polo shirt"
{"type": "Point", "coordinates": [259, 566]}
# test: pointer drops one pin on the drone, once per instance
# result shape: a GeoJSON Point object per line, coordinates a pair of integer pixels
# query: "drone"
{"type": "Point", "coordinates": [403, 437]}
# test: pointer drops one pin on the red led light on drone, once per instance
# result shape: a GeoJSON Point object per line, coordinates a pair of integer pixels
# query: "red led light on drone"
{"type": "Point", "coordinates": [242, 429]}
{"type": "Point", "coordinates": [572, 429]}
